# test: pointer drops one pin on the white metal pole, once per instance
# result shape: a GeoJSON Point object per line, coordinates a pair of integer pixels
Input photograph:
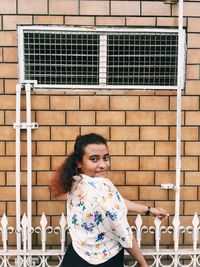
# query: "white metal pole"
{"type": "Point", "coordinates": [29, 163]}
{"type": "Point", "coordinates": [178, 118]}
{"type": "Point", "coordinates": [18, 170]}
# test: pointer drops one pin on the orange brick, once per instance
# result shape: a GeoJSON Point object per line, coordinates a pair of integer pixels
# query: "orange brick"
{"type": "Point", "coordinates": [153, 163]}
{"type": "Point", "coordinates": [10, 148]}
{"type": "Point", "coordinates": [110, 21]}
{"type": "Point", "coordinates": [38, 193]}
{"type": "Point", "coordinates": [155, 8]}
{"type": "Point", "coordinates": [192, 72]}
{"type": "Point", "coordinates": [186, 193]}
{"type": "Point", "coordinates": [187, 133]}
{"type": "Point", "coordinates": [64, 102]}
{"type": "Point", "coordinates": [192, 178]}
{"type": "Point", "coordinates": [11, 117]}
{"type": "Point", "coordinates": [192, 148]}
{"type": "Point", "coordinates": [10, 86]}
{"type": "Point", "coordinates": [167, 177]}
{"type": "Point", "coordinates": [124, 163]}
{"type": "Point", "coordinates": [1, 54]}
{"type": "Point", "coordinates": [39, 102]}
{"type": "Point", "coordinates": [2, 178]}
{"type": "Point", "coordinates": [7, 133]}
{"type": "Point", "coordinates": [7, 193]}
{"type": "Point", "coordinates": [48, 20]}
{"type": "Point", "coordinates": [124, 102]}
{"type": "Point", "coordinates": [187, 163]}
{"type": "Point", "coordinates": [94, 102]}
{"type": "Point", "coordinates": [8, 70]}
{"type": "Point", "coordinates": [152, 193]}
{"type": "Point", "coordinates": [38, 163]}
{"type": "Point", "coordinates": [116, 148]}
{"type": "Point", "coordinates": [117, 177]}
{"type": "Point", "coordinates": [8, 38]}
{"type": "Point", "coordinates": [44, 178]}
{"type": "Point", "coordinates": [96, 129]}
{"type": "Point", "coordinates": [56, 162]}
{"type": "Point", "coordinates": [11, 209]}
{"type": "Point", "coordinates": [80, 117]}
{"type": "Point", "coordinates": [193, 40]}
{"type": "Point", "coordinates": [41, 133]}
{"type": "Point", "coordinates": [139, 178]}
{"type": "Point", "coordinates": [64, 133]}
{"type": "Point", "coordinates": [191, 207]}
{"type": "Point", "coordinates": [167, 22]}
{"type": "Point", "coordinates": [10, 54]}
{"type": "Point", "coordinates": [1, 117]}
{"type": "Point", "coordinates": [32, 7]}
{"type": "Point", "coordinates": [192, 87]}
{"type": "Point", "coordinates": [7, 7]}
{"type": "Point", "coordinates": [188, 103]}
{"type": "Point", "coordinates": [7, 102]}
{"type": "Point", "coordinates": [70, 147]}
{"type": "Point", "coordinates": [1, 86]}
{"type": "Point", "coordinates": [110, 117]}
{"type": "Point", "coordinates": [128, 192]}
{"type": "Point", "coordinates": [193, 56]}
{"type": "Point", "coordinates": [64, 7]}
{"type": "Point", "coordinates": [168, 206]}
{"type": "Point", "coordinates": [11, 22]}
{"type": "Point", "coordinates": [192, 118]}
{"type": "Point", "coordinates": [50, 117]}
{"type": "Point", "coordinates": [51, 207]}
{"type": "Point", "coordinates": [140, 21]}
{"type": "Point", "coordinates": [139, 118]}
{"type": "Point", "coordinates": [51, 148]}
{"type": "Point", "coordinates": [2, 148]}
{"type": "Point", "coordinates": [130, 8]}
{"type": "Point", "coordinates": [167, 118]}
{"type": "Point", "coordinates": [7, 163]}
{"type": "Point", "coordinates": [79, 20]}
{"type": "Point", "coordinates": [124, 133]}
{"type": "Point", "coordinates": [190, 9]}
{"type": "Point", "coordinates": [154, 103]}
{"type": "Point", "coordinates": [165, 148]}
{"type": "Point", "coordinates": [3, 208]}
{"type": "Point", "coordinates": [94, 7]}
{"type": "Point", "coordinates": [11, 178]}
{"type": "Point", "coordinates": [139, 148]}
{"type": "Point", "coordinates": [154, 133]}
{"type": "Point", "coordinates": [193, 24]}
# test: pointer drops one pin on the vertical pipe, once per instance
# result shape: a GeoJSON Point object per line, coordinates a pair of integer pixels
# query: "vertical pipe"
{"type": "Point", "coordinates": [178, 123]}
{"type": "Point", "coordinates": [29, 163]}
{"type": "Point", "coordinates": [18, 152]}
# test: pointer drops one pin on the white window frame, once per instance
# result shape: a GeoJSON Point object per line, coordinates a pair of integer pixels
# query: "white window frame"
{"type": "Point", "coordinates": [102, 66]}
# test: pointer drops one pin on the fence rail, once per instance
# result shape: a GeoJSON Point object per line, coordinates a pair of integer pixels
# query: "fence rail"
{"type": "Point", "coordinates": [46, 256]}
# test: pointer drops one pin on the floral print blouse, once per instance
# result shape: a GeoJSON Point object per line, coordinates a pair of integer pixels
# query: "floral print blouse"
{"type": "Point", "coordinates": [96, 216]}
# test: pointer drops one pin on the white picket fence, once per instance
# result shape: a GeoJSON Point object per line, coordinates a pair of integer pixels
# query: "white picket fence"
{"type": "Point", "coordinates": [45, 256]}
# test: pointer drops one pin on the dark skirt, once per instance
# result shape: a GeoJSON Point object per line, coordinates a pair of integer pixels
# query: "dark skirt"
{"type": "Point", "coordinates": [72, 259]}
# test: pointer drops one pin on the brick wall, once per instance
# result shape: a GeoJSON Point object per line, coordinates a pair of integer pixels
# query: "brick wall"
{"type": "Point", "coordinates": [139, 125]}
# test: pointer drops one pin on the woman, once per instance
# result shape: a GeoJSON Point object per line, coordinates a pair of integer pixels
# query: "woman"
{"type": "Point", "coordinates": [96, 212]}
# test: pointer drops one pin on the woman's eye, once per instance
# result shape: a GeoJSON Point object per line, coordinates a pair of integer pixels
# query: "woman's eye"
{"type": "Point", "coordinates": [94, 159]}
{"type": "Point", "coordinates": [107, 158]}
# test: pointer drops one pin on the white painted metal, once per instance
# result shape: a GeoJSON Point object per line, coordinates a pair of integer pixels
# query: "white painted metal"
{"type": "Point", "coordinates": [18, 169]}
{"type": "Point", "coordinates": [159, 256]}
{"type": "Point", "coordinates": [102, 59]}
{"type": "Point", "coordinates": [20, 54]}
{"type": "Point", "coordinates": [29, 163]}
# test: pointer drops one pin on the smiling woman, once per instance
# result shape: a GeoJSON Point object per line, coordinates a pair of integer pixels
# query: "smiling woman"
{"type": "Point", "coordinates": [96, 212]}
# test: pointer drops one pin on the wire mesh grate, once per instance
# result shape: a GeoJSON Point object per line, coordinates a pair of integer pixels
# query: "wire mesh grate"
{"type": "Point", "coordinates": [94, 58]}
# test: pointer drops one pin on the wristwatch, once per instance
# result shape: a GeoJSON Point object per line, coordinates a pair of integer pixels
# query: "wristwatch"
{"type": "Point", "coordinates": [148, 212]}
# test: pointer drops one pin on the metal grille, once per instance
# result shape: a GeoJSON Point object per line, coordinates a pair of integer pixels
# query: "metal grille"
{"type": "Point", "coordinates": [54, 58]}
{"type": "Point", "coordinates": [108, 58]}
{"type": "Point", "coordinates": [142, 59]}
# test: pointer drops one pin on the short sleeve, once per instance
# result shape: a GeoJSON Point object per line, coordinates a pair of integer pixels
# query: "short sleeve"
{"type": "Point", "coordinates": [116, 214]}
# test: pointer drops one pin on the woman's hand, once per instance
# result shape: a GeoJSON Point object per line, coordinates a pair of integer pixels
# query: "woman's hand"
{"type": "Point", "coordinates": [159, 212]}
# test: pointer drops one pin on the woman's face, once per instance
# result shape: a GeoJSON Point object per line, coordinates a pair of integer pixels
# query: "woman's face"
{"type": "Point", "coordinates": [96, 160]}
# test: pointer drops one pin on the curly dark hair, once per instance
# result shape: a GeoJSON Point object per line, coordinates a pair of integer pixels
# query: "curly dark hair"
{"type": "Point", "coordinates": [62, 181]}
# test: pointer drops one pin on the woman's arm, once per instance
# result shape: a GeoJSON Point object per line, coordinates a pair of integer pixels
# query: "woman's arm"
{"type": "Point", "coordinates": [139, 208]}
{"type": "Point", "coordinates": [137, 254]}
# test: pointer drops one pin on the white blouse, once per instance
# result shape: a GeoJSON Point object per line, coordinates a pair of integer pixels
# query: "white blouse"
{"type": "Point", "coordinates": [97, 220]}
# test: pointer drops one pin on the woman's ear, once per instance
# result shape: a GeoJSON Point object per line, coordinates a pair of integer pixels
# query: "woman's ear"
{"type": "Point", "coordinates": [79, 165]}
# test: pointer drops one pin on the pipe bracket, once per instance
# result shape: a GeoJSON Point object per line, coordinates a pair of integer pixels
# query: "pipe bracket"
{"type": "Point", "coordinates": [24, 125]}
